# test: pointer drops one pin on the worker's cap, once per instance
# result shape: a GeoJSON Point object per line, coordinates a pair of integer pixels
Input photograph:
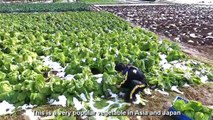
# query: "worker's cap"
{"type": "Point", "coordinates": [120, 67]}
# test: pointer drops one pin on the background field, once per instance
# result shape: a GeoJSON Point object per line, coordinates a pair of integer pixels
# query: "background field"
{"type": "Point", "coordinates": [49, 55]}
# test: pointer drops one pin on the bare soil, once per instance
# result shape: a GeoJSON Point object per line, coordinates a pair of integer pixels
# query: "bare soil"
{"type": "Point", "coordinates": [200, 53]}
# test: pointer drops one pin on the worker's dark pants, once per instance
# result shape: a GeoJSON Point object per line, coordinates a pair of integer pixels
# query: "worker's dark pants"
{"type": "Point", "coordinates": [133, 87]}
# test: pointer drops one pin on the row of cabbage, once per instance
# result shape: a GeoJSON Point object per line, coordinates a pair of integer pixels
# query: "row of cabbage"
{"type": "Point", "coordinates": [42, 7]}
{"type": "Point", "coordinates": [84, 43]}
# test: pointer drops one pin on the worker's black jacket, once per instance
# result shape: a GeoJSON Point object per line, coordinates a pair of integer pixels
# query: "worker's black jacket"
{"type": "Point", "coordinates": [135, 81]}
{"type": "Point", "coordinates": [133, 77]}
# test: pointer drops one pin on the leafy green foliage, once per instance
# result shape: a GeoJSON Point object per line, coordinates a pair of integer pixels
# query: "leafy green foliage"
{"type": "Point", "coordinates": [210, 76]}
{"type": "Point", "coordinates": [65, 118]}
{"type": "Point", "coordinates": [5, 86]}
{"type": "Point", "coordinates": [37, 98]}
{"type": "Point", "coordinates": [193, 109]}
{"type": "Point", "coordinates": [101, 104]}
{"type": "Point", "coordinates": [2, 75]}
{"type": "Point", "coordinates": [43, 7]}
{"type": "Point", "coordinates": [179, 105]}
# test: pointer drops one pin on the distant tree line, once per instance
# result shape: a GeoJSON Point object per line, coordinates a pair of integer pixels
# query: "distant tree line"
{"type": "Point", "coordinates": [23, 0]}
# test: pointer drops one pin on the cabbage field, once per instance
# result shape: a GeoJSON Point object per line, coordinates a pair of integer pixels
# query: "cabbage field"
{"type": "Point", "coordinates": [42, 7]}
{"type": "Point", "coordinates": [68, 59]}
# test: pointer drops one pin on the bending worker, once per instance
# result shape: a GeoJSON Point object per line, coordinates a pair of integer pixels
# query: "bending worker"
{"type": "Point", "coordinates": [135, 80]}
